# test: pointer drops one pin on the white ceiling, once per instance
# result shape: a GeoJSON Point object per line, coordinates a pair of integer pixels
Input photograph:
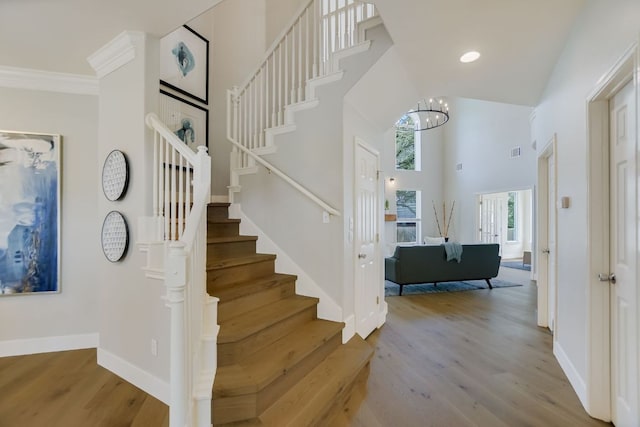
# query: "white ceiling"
{"type": "Point", "coordinates": [520, 41]}
{"type": "Point", "coordinates": [58, 35]}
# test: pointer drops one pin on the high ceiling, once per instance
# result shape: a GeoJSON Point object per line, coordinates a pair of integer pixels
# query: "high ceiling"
{"type": "Point", "coordinates": [520, 41]}
{"type": "Point", "coordinates": [58, 35]}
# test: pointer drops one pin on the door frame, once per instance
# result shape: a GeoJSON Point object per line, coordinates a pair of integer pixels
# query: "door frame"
{"type": "Point", "coordinates": [598, 388]}
{"type": "Point", "coordinates": [542, 232]}
{"type": "Point", "coordinates": [382, 306]}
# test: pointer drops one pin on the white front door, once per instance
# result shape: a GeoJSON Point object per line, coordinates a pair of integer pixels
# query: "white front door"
{"type": "Point", "coordinates": [551, 242]}
{"type": "Point", "coordinates": [623, 252]}
{"type": "Point", "coordinates": [493, 218]}
{"type": "Point", "coordinates": [368, 275]}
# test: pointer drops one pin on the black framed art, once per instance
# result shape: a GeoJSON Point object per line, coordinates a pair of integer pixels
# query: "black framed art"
{"type": "Point", "coordinates": [184, 63]}
{"type": "Point", "coordinates": [188, 121]}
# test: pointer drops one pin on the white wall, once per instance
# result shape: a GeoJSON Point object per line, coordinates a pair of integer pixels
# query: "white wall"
{"type": "Point", "coordinates": [480, 135]}
{"type": "Point", "coordinates": [600, 36]}
{"type": "Point", "coordinates": [131, 309]}
{"type": "Point", "coordinates": [279, 14]}
{"type": "Point", "coordinates": [73, 312]}
{"type": "Point", "coordinates": [238, 44]}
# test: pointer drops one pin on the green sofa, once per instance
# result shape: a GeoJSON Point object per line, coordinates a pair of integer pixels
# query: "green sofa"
{"type": "Point", "coordinates": [428, 264]}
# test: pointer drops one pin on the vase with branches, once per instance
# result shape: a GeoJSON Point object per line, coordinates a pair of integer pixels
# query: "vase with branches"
{"type": "Point", "coordinates": [446, 221]}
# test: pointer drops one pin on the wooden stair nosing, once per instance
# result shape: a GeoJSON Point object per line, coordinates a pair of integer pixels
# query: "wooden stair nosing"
{"type": "Point", "coordinates": [262, 318]}
{"type": "Point", "coordinates": [236, 262]}
{"type": "Point", "coordinates": [275, 360]}
{"type": "Point", "coordinates": [310, 399]}
{"type": "Point", "coordinates": [223, 221]}
{"type": "Point", "coordinates": [231, 239]}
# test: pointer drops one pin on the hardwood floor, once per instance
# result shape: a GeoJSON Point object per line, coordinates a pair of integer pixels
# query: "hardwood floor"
{"type": "Point", "coordinates": [444, 360]}
{"type": "Point", "coordinates": [69, 389]}
{"type": "Point", "coordinates": [462, 359]}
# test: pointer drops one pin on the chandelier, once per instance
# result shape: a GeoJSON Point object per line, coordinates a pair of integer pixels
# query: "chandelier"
{"type": "Point", "coordinates": [431, 114]}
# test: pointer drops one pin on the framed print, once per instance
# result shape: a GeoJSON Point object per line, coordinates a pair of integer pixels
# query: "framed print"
{"type": "Point", "coordinates": [30, 171]}
{"type": "Point", "coordinates": [188, 121]}
{"type": "Point", "coordinates": [184, 63]}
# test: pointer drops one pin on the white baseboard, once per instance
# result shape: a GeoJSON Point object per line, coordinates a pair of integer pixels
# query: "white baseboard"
{"type": "Point", "coordinates": [382, 316]}
{"type": "Point", "coordinates": [349, 329]}
{"type": "Point", "coordinates": [47, 344]}
{"type": "Point", "coordinates": [577, 382]}
{"type": "Point", "coordinates": [134, 375]}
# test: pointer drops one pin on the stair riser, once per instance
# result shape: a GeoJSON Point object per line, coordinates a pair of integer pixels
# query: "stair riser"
{"type": "Point", "coordinates": [287, 379]}
{"type": "Point", "coordinates": [239, 306]}
{"type": "Point", "coordinates": [234, 408]}
{"type": "Point", "coordinates": [226, 250]}
{"type": "Point", "coordinates": [228, 276]}
{"type": "Point", "coordinates": [230, 353]}
{"type": "Point", "coordinates": [223, 229]}
{"type": "Point", "coordinates": [217, 212]}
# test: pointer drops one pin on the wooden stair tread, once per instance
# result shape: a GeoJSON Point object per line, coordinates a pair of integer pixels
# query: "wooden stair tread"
{"type": "Point", "coordinates": [240, 289]}
{"type": "Point", "coordinates": [242, 326]}
{"type": "Point", "coordinates": [231, 239]}
{"type": "Point", "coordinates": [235, 262]}
{"type": "Point", "coordinates": [305, 403]}
{"type": "Point", "coordinates": [256, 371]}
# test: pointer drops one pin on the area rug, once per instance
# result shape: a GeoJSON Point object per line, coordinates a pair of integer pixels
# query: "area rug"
{"type": "Point", "coordinates": [391, 289]}
{"type": "Point", "coordinates": [516, 264]}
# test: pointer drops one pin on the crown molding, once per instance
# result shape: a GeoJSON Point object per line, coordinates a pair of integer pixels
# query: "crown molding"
{"type": "Point", "coordinates": [26, 78]}
{"type": "Point", "coordinates": [118, 52]}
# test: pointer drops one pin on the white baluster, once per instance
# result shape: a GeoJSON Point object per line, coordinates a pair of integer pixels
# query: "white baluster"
{"type": "Point", "coordinates": [167, 216]}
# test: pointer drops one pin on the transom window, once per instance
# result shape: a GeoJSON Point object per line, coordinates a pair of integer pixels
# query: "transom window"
{"type": "Point", "coordinates": [407, 144]}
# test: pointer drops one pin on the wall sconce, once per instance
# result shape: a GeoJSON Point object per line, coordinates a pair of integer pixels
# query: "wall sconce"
{"type": "Point", "coordinates": [392, 181]}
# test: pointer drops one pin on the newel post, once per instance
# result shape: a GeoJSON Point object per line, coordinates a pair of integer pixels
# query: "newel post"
{"type": "Point", "coordinates": [175, 280]}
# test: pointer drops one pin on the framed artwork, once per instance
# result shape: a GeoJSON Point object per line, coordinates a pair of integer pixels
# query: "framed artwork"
{"type": "Point", "coordinates": [115, 236]}
{"type": "Point", "coordinates": [115, 175]}
{"type": "Point", "coordinates": [184, 63]}
{"type": "Point", "coordinates": [188, 121]}
{"type": "Point", "coordinates": [30, 171]}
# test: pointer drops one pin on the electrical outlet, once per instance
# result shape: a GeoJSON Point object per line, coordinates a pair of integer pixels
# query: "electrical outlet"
{"type": "Point", "coordinates": [325, 217]}
{"type": "Point", "coordinates": [154, 347]}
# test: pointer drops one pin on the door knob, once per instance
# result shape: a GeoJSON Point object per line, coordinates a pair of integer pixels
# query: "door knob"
{"type": "Point", "coordinates": [604, 277]}
{"type": "Point", "coordinates": [546, 251]}
{"type": "Point", "coordinates": [362, 256]}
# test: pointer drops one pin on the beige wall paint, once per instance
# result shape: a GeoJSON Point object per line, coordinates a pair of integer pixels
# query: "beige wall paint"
{"type": "Point", "coordinates": [74, 310]}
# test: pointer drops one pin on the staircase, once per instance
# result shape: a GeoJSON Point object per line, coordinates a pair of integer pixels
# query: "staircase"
{"type": "Point", "coordinates": [278, 364]}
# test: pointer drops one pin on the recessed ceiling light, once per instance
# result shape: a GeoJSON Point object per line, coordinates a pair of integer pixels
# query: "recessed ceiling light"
{"type": "Point", "coordinates": [470, 56]}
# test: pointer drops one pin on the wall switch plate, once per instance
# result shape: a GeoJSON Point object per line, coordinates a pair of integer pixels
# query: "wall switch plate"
{"type": "Point", "coordinates": [325, 217]}
{"type": "Point", "coordinates": [154, 347]}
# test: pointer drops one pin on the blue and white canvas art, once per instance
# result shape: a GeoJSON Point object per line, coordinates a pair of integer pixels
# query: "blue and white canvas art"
{"type": "Point", "coordinates": [29, 213]}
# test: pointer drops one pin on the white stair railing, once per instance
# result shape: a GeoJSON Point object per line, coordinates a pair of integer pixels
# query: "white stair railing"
{"type": "Point", "coordinates": [303, 52]}
{"type": "Point", "coordinates": [181, 188]}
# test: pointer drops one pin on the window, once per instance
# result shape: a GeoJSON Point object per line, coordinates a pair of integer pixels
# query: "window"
{"type": "Point", "coordinates": [407, 144]}
{"type": "Point", "coordinates": [512, 217]}
{"type": "Point", "coordinates": [408, 204]}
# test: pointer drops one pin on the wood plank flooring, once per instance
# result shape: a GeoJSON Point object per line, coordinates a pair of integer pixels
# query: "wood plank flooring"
{"type": "Point", "coordinates": [443, 360]}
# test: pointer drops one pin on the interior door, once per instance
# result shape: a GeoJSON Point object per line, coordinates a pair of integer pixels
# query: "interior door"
{"type": "Point", "coordinates": [493, 218]}
{"type": "Point", "coordinates": [368, 273]}
{"type": "Point", "coordinates": [551, 242]}
{"type": "Point", "coordinates": [623, 250]}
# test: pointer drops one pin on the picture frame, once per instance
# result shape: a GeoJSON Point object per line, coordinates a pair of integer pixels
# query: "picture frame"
{"type": "Point", "coordinates": [30, 177]}
{"type": "Point", "coordinates": [184, 63]}
{"type": "Point", "coordinates": [188, 121]}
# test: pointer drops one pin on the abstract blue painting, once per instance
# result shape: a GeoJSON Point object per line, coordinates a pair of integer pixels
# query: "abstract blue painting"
{"type": "Point", "coordinates": [29, 213]}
